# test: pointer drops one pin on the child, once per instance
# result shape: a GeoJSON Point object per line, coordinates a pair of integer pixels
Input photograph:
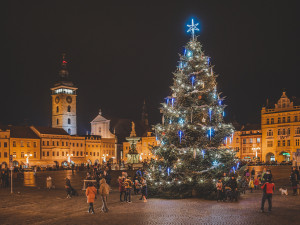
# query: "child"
{"type": "Point", "coordinates": [49, 183]}
{"type": "Point", "coordinates": [256, 183]}
{"type": "Point", "coordinates": [251, 185]}
{"type": "Point", "coordinates": [144, 189]}
{"type": "Point", "coordinates": [219, 187]}
{"type": "Point", "coordinates": [121, 188]}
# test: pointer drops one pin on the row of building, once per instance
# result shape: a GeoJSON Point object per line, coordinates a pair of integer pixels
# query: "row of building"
{"type": "Point", "coordinates": [275, 139]}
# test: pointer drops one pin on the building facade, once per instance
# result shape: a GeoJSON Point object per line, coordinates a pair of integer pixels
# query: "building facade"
{"type": "Point", "coordinates": [280, 130]}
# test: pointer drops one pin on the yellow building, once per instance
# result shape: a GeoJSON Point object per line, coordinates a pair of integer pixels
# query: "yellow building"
{"type": "Point", "coordinates": [4, 146]}
{"type": "Point", "coordinates": [280, 130]}
{"type": "Point", "coordinates": [20, 142]}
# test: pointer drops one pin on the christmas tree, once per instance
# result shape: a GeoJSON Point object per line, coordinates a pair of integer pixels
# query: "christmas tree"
{"type": "Point", "coordinates": [191, 155]}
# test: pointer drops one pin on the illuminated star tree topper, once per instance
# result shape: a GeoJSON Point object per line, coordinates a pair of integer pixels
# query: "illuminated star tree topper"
{"type": "Point", "coordinates": [192, 28]}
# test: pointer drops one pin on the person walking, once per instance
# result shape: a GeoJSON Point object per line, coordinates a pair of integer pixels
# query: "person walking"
{"type": "Point", "coordinates": [256, 183]}
{"type": "Point", "coordinates": [49, 182]}
{"type": "Point", "coordinates": [144, 189]}
{"type": "Point", "coordinates": [104, 192]}
{"type": "Point", "coordinates": [253, 172]}
{"type": "Point", "coordinates": [268, 189]}
{"type": "Point", "coordinates": [263, 176]}
{"type": "Point", "coordinates": [121, 188]}
{"type": "Point", "coordinates": [219, 187]}
{"type": "Point", "coordinates": [128, 186]}
{"type": "Point", "coordinates": [91, 193]}
{"type": "Point", "coordinates": [294, 182]}
{"type": "Point", "coordinates": [251, 185]}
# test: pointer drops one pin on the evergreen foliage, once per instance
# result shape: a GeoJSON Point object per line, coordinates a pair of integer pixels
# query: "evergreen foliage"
{"type": "Point", "coordinates": [191, 155]}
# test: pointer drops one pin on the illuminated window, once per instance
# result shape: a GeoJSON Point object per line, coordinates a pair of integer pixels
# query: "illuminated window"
{"type": "Point", "coordinates": [258, 140]}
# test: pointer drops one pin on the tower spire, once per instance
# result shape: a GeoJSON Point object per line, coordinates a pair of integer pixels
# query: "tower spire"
{"type": "Point", "coordinates": [63, 73]}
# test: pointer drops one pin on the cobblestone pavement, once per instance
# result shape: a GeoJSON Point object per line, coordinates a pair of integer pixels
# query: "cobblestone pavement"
{"type": "Point", "coordinates": [36, 205]}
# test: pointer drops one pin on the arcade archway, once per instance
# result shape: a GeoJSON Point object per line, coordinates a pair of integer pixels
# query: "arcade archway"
{"type": "Point", "coordinates": [270, 157]}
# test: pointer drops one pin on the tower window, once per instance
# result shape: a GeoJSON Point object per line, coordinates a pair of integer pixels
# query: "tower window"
{"type": "Point", "coordinates": [69, 131]}
{"type": "Point", "coordinates": [69, 108]}
{"type": "Point", "coordinates": [69, 121]}
{"type": "Point", "coordinates": [57, 109]}
{"type": "Point", "coordinates": [57, 121]}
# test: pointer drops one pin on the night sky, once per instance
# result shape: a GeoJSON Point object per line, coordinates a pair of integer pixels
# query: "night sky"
{"type": "Point", "coordinates": [122, 53]}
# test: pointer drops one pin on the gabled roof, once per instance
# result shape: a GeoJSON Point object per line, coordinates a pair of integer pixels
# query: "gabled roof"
{"type": "Point", "coordinates": [51, 130]}
{"type": "Point", "coordinates": [99, 118]}
{"type": "Point", "coordinates": [20, 131]}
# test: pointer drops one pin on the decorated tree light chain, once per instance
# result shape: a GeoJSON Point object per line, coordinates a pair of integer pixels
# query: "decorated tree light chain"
{"type": "Point", "coordinates": [194, 123]}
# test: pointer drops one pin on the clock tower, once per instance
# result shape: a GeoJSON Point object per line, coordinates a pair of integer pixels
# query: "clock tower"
{"type": "Point", "coordinates": [64, 101]}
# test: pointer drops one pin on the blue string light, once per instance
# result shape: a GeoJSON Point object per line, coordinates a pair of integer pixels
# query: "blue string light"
{"type": "Point", "coordinates": [209, 111]}
{"type": "Point", "coordinates": [193, 80]}
{"type": "Point", "coordinates": [172, 100]}
{"type": "Point", "coordinates": [203, 153]}
{"type": "Point", "coordinates": [180, 133]}
{"type": "Point", "coordinates": [168, 171]}
{"type": "Point", "coordinates": [223, 113]}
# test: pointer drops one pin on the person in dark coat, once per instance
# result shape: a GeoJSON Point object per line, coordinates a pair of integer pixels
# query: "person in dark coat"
{"type": "Point", "coordinates": [253, 172]}
{"type": "Point", "coordinates": [233, 186]}
{"type": "Point", "coordinates": [294, 182]}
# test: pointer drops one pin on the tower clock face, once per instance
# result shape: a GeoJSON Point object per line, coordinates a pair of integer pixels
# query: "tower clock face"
{"type": "Point", "coordinates": [57, 99]}
{"type": "Point", "coordinates": [69, 99]}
